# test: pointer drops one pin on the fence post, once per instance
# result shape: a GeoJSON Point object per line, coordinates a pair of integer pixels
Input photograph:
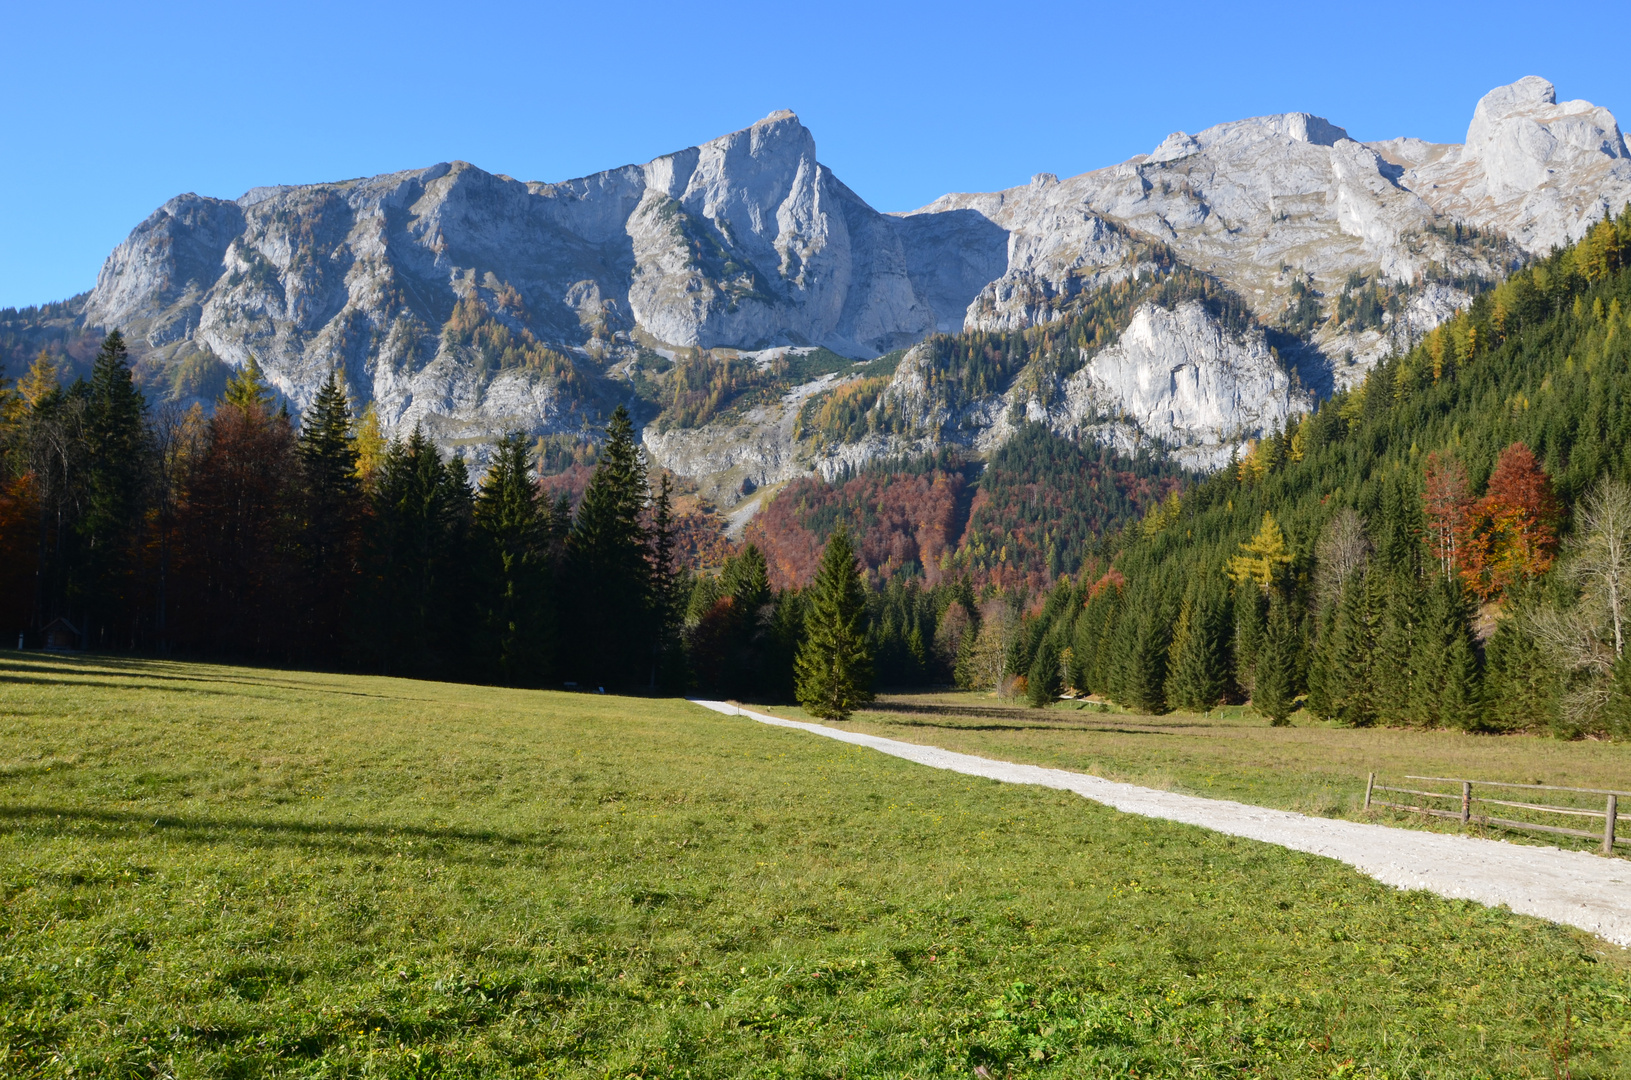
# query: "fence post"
{"type": "Point", "coordinates": [1466, 801]}
{"type": "Point", "coordinates": [1608, 825]}
{"type": "Point", "coordinates": [1368, 785]}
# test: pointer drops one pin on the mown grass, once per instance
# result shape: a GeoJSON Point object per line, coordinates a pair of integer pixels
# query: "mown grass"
{"type": "Point", "coordinates": [209, 871]}
{"type": "Point", "coordinates": [1311, 767]}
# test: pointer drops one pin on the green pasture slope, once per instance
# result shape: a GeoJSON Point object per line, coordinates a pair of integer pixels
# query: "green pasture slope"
{"type": "Point", "coordinates": [213, 871]}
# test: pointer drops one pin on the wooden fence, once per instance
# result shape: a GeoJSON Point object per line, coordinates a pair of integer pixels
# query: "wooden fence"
{"type": "Point", "coordinates": [1464, 812]}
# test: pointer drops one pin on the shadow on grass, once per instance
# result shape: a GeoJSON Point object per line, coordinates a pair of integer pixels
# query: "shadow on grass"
{"type": "Point", "coordinates": [82, 679]}
{"type": "Point", "coordinates": [61, 819]}
{"type": "Point", "coordinates": [136, 670]}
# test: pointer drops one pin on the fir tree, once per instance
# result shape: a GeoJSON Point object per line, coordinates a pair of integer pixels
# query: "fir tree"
{"type": "Point", "coordinates": [1042, 681]}
{"type": "Point", "coordinates": [1347, 665]}
{"type": "Point", "coordinates": [1321, 675]}
{"type": "Point", "coordinates": [1448, 680]}
{"type": "Point", "coordinates": [1397, 601]}
{"type": "Point", "coordinates": [1275, 681]}
{"type": "Point", "coordinates": [1248, 634]}
{"type": "Point", "coordinates": [117, 460]}
{"type": "Point", "coordinates": [416, 616]}
{"type": "Point", "coordinates": [1144, 640]}
{"type": "Point", "coordinates": [834, 668]}
{"type": "Point", "coordinates": [327, 535]}
{"type": "Point", "coordinates": [1521, 687]}
{"type": "Point", "coordinates": [513, 537]}
{"type": "Point", "coordinates": [1200, 663]}
{"type": "Point", "coordinates": [667, 603]}
{"type": "Point", "coordinates": [608, 557]}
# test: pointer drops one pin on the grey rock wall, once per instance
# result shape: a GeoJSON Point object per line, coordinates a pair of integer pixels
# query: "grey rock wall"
{"type": "Point", "coordinates": [748, 242]}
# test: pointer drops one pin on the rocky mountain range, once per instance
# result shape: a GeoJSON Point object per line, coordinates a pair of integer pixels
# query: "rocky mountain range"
{"type": "Point", "coordinates": [473, 303]}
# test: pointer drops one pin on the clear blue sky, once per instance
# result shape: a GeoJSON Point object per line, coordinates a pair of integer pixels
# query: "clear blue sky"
{"type": "Point", "coordinates": [110, 109]}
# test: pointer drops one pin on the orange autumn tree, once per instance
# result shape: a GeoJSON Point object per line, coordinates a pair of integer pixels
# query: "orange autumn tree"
{"type": "Point", "coordinates": [1445, 505]}
{"type": "Point", "coordinates": [1511, 533]}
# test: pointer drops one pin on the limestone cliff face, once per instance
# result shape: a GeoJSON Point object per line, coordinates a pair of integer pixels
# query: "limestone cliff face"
{"type": "Point", "coordinates": [747, 240]}
{"type": "Point", "coordinates": [1179, 378]}
{"type": "Point", "coordinates": [1250, 199]}
{"type": "Point", "coordinates": [473, 303]}
{"type": "Point", "coordinates": [1176, 380]}
{"type": "Point", "coordinates": [1538, 170]}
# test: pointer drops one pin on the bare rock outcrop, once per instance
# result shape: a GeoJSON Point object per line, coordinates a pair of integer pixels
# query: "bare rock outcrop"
{"type": "Point", "coordinates": [473, 303]}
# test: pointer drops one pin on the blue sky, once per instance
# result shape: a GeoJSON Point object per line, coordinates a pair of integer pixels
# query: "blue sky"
{"type": "Point", "coordinates": [112, 109]}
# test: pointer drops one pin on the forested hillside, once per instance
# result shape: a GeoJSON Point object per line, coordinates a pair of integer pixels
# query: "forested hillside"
{"type": "Point", "coordinates": [1449, 544]}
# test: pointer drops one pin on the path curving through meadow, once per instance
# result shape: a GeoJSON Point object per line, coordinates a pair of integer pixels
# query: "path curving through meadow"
{"type": "Point", "coordinates": [1570, 887]}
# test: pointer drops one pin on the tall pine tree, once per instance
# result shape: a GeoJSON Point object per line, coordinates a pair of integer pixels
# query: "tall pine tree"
{"type": "Point", "coordinates": [612, 632]}
{"type": "Point", "coordinates": [1199, 676]}
{"type": "Point", "coordinates": [327, 536]}
{"type": "Point", "coordinates": [118, 457]}
{"type": "Point", "coordinates": [1275, 683]}
{"type": "Point", "coordinates": [512, 569]}
{"type": "Point", "coordinates": [833, 672]}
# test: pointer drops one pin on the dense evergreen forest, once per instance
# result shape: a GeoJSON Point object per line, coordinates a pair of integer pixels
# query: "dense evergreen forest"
{"type": "Point", "coordinates": [1447, 544]}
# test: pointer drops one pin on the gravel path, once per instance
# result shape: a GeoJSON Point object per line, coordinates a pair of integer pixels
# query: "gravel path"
{"type": "Point", "coordinates": [1571, 887]}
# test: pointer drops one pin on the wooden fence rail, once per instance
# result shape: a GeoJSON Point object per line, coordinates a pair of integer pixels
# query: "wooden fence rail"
{"type": "Point", "coordinates": [1465, 798]}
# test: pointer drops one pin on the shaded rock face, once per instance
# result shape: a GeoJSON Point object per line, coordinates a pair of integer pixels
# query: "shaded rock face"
{"type": "Point", "coordinates": [474, 303]}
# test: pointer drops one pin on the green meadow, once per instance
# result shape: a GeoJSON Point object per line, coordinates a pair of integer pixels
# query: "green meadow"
{"type": "Point", "coordinates": [233, 872]}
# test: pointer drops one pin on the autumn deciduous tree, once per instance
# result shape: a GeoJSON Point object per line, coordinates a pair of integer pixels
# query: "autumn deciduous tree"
{"type": "Point", "coordinates": [1261, 557]}
{"type": "Point", "coordinates": [233, 530]}
{"type": "Point", "coordinates": [1446, 504]}
{"type": "Point", "coordinates": [1511, 533]}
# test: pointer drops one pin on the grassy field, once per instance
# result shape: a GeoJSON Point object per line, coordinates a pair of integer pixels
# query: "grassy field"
{"type": "Point", "coordinates": [211, 871]}
{"type": "Point", "coordinates": [1311, 767]}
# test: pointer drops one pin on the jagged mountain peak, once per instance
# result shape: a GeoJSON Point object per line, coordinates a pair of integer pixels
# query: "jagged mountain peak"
{"type": "Point", "coordinates": [475, 303]}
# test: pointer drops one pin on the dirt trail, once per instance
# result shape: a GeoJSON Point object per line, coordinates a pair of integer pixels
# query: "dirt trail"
{"type": "Point", "coordinates": [1572, 887]}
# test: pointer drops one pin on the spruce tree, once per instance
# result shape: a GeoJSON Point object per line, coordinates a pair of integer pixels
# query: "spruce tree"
{"type": "Point", "coordinates": [834, 668]}
{"type": "Point", "coordinates": [1043, 681]}
{"type": "Point", "coordinates": [1275, 680]}
{"type": "Point", "coordinates": [1200, 664]}
{"type": "Point", "coordinates": [1347, 667]}
{"type": "Point", "coordinates": [1320, 668]}
{"type": "Point", "coordinates": [667, 600]}
{"type": "Point", "coordinates": [118, 456]}
{"type": "Point", "coordinates": [609, 567]}
{"type": "Point", "coordinates": [1144, 641]}
{"type": "Point", "coordinates": [513, 541]}
{"type": "Point", "coordinates": [1397, 601]}
{"type": "Point", "coordinates": [328, 531]}
{"type": "Point", "coordinates": [1522, 688]}
{"type": "Point", "coordinates": [738, 652]}
{"type": "Point", "coordinates": [416, 615]}
{"type": "Point", "coordinates": [1248, 633]}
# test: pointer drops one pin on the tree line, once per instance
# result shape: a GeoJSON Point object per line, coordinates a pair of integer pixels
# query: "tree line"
{"type": "Point", "coordinates": [242, 535]}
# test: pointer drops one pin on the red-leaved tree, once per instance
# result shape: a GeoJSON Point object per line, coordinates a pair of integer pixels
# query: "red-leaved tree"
{"type": "Point", "coordinates": [1511, 533]}
{"type": "Point", "coordinates": [1446, 505]}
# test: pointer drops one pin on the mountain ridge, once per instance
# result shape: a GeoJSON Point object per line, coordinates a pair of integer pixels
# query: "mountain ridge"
{"type": "Point", "coordinates": [472, 303]}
